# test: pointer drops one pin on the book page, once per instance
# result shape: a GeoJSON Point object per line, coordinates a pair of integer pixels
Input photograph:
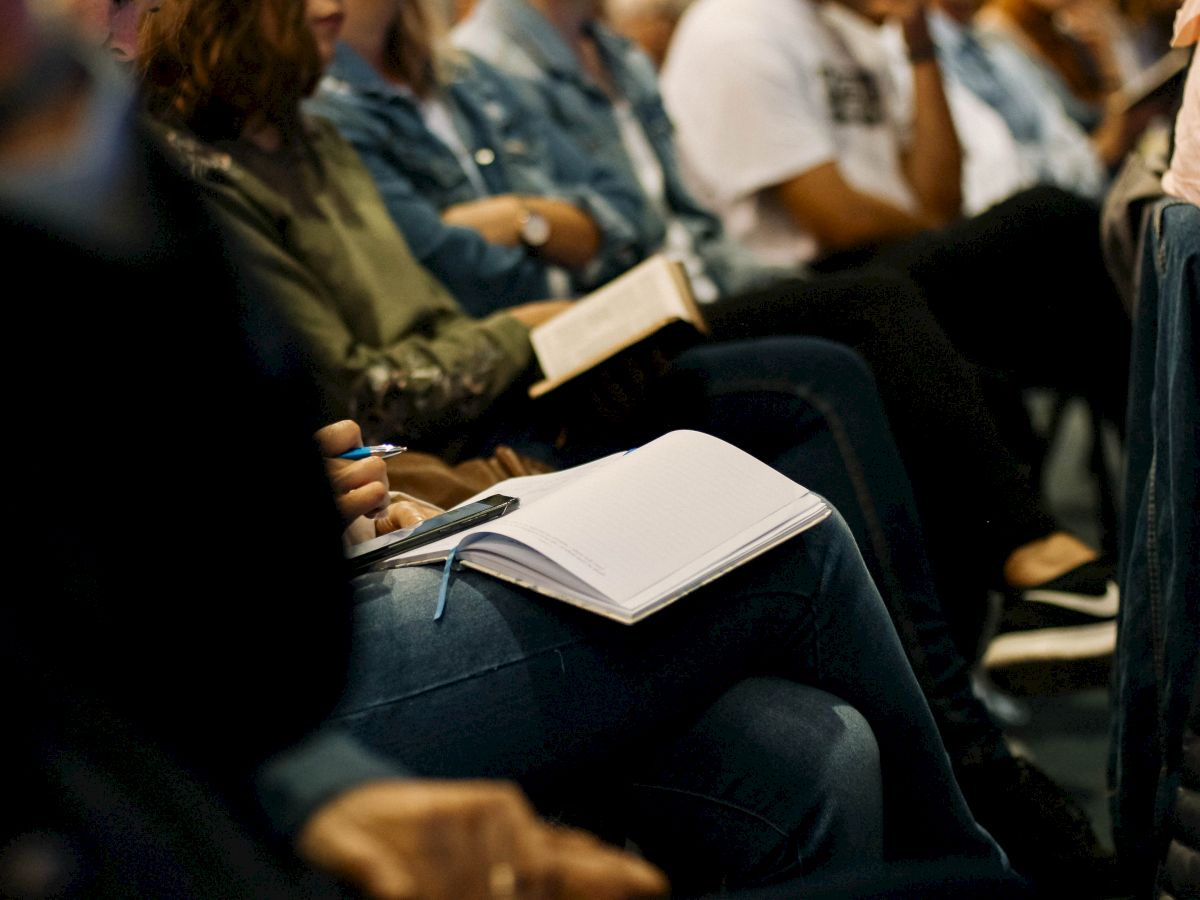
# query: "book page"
{"type": "Point", "coordinates": [673, 506]}
{"type": "Point", "coordinates": [609, 318]}
{"type": "Point", "coordinates": [527, 488]}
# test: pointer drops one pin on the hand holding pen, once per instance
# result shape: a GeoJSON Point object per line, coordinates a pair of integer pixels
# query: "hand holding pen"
{"type": "Point", "coordinates": [357, 474]}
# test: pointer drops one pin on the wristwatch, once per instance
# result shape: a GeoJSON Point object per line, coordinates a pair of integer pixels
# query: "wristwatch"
{"type": "Point", "coordinates": [533, 228]}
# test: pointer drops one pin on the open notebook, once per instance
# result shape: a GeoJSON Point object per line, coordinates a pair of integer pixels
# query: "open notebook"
{"type": "Point", "coordinates": [631, 533]}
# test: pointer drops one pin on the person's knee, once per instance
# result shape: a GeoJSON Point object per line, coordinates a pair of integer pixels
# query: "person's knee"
{"type": "Point", "coordinates": [775, 779]}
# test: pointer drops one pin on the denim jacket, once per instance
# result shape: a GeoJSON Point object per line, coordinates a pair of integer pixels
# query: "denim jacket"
{"type": "Point", "coordinates": [518, 39]}
{"type": "Point", "coordinates": [515, 152]}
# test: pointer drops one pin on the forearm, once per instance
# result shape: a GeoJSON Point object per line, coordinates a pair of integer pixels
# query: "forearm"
{"type": "Point", "coordinates": [400, 370]}
{"type": "Point", "coordinates": [841, 217]}
{"type": "Point", "coordinates": [574, 237]}
{"type": "Point", "coordinates": [422, 389]}
{"type": "Point", "coordinates": [933, 163]}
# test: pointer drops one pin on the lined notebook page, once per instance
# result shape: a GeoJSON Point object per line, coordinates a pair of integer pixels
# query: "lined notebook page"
{"type": "Point", "coordinates": [660, 510]}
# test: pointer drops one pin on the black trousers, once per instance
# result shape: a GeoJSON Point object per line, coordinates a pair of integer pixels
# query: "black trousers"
{"type": "Point", "coordinates": [1020, 289]}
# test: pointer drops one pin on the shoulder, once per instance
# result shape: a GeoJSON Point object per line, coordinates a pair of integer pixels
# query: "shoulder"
{"type": "Point", "coordinates": [468, 68]}
{"type": "Point", "coordinates": [628, 55]}
{"type": "Point", "coordinates": [201, 161]}
{"type": "Point", "coordinates": [334, 152]}
{"type": "Point", "coordinates": [497, 47]}
{"type": "Point", "coordinates": [357, 114]}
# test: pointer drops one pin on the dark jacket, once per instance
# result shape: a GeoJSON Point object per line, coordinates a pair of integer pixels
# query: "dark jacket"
{"type": "Point", "coordinates": [176, 613]}
{"type": "Point", "coordinates": [393, 349]}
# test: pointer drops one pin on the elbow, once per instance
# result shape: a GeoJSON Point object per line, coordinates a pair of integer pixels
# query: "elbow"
{"type": "Point", "coordinates": [586, 249]}
{"type": "Point", "coordinates": [947, 202]}
{"type": "Point", "coordinates": [579, 248]}
{"type": "Point", "coordinates": [942, 199]}
{"type": "Point", "coordinates": [943, 211]}
{"type": "Point", "coordinates": [844, 232]}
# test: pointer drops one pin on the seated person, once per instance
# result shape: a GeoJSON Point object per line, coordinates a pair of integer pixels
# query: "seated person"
{"type": "Point", "coordinates": [588, 708]}
{"type": "Point", "coordinates": [143, 759]}
{"type": "Point", "coordinates": [169, 655]}
{"type": "Point", "coordinates": [1054, 147]}
{"type": "Point", "coordinates": [390, 71]}
{"type": "Point", "coordinates": [826, 169]}
{"type": "Point", "coordinates": [389, 337]}
{"type": "Point", "coordinates": [1078, 64]}
{"type": "Point", "coordinates": [523, 214]}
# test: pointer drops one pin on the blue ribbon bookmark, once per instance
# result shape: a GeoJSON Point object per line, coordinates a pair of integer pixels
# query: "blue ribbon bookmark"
{"type": "Point", "coordinates": [451, 566]}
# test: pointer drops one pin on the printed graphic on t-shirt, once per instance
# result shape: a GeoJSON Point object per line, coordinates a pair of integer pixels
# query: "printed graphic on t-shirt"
{"type": "Point", "coordinates": [854, 96]}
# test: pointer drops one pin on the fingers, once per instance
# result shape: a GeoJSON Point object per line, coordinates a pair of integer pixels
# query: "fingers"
{"type": "Point", "coordinates": [357, 856]}
{"type": "Point", "coordinates": [575, 864]}
{"type": "Point", "coordinates": [464, 840]}
{"type": "Point", "coordinates": [404, 514]}
{"type": "Point", "coordinates": [337, 438]}
{"type": "Point", "coordinates": [360, 486]}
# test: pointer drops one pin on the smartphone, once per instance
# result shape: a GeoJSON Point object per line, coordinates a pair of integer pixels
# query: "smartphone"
{"type": "Point", "coordinates": [362, 555]}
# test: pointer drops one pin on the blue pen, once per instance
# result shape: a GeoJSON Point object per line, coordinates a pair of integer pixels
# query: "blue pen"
{"type": "Point", "coordinates": [381, 450]}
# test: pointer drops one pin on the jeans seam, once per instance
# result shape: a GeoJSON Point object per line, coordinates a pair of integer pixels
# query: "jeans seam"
{"type": "Point", "coordinates": [716, 801]}
{"type": "Point", "coordinates": [1153, 596]}
{"type": "Point", "coordinates": [913, 646]}
{"type": "Point", "coordinates": [428, 689]}
{"type": "Point", "coordinates": [858, 483]}
{"type": "Point", "coordinates": [854, 468]}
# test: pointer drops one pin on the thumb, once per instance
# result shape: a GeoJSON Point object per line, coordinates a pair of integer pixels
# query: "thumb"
{"type": "Point", "coordinates": [368, 865]}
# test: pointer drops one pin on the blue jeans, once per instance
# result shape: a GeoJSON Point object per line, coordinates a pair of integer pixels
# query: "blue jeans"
{"type": "Point", "coordinates": [715, 726]}
{"type": "Point", "coordinates": [1159, 622]}
{"type": "Point", "coordinates": [809, 408]}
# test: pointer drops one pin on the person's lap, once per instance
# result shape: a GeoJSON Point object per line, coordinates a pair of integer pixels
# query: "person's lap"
{"type": "Point", "coordinates": [809, 408]}
{"type": "Point", "coordinates": [1022, 288]}
{"type": "Point", "coordinates": [516, 686]}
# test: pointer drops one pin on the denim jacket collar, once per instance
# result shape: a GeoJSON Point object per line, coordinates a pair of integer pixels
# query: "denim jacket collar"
{"type": "Point", "coordinates": [350, 70]}
{"type": "Point", "coordinates": [546, 47]}
{"type": "Point", "coordinates": [350, 74]}
{"type": "Point", "coordinates": [537, 36]}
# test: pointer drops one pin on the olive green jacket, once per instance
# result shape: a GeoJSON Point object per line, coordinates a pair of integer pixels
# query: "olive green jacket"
{"type": "Point", "coordinates": [393, 348]}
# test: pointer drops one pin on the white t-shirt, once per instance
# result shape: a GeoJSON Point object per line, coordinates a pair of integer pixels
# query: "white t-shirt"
{"type": "Point", "coordinates": [1183, 178]}
{"type": "Point", "coordinates": [764, 90]}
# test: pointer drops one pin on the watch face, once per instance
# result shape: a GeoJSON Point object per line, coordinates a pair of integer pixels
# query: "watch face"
{"type": "Point", "coordinates": [535, 229]}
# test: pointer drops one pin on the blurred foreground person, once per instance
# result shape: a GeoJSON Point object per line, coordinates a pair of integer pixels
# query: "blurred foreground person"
{"type": "Point", "coordinates": [164, 678]}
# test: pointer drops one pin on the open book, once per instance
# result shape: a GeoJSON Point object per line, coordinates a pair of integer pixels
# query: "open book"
{"type": "Point", "coordinates": [628, 309]}
{"type": "Point", "coordinates": [631, 533]}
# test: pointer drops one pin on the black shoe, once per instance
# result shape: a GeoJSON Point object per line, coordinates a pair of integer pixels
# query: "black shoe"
{"type": "Point", "coordinates": [1045, 832]}
{"type": "Point", "coordinates": [1069, 619]}
{"type": "Point", "coordinates": [1088, 590]}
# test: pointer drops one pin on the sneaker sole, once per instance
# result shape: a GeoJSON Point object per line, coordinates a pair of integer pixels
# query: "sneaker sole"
{"type": "Point", "coordinates": [1079, 642]}
{"type": "Point", "coordinates": [1103, 607]}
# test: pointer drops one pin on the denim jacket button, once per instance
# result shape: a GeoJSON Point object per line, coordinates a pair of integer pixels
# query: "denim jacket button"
{"type": "Point", "coordinates": [485, 156]}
